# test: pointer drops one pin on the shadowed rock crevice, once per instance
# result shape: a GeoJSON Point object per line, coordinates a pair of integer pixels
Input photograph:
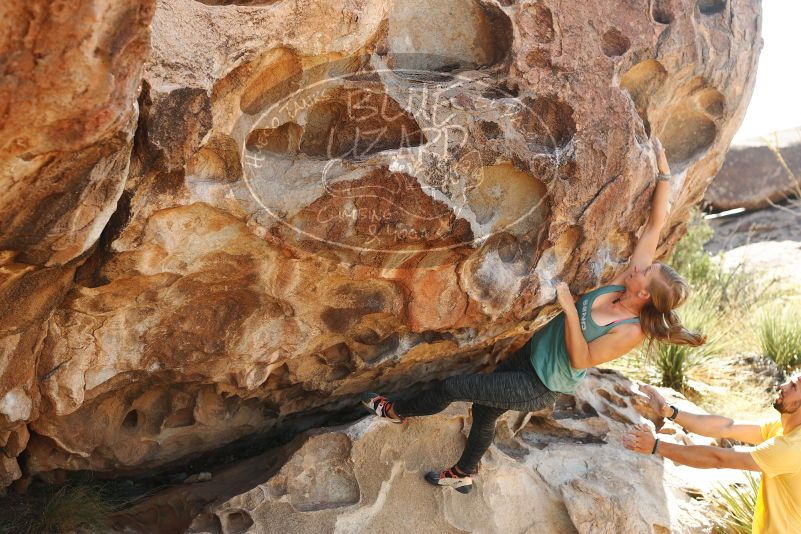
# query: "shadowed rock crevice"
{"type": "Point", "coordinates": [131, 420]}
{"type": "Point", "coordinates": [711, 7]}
{"type": "Point", "coordinates": [541, 433]}
{"type": "Point", "coordinates": [235, 522]}
{"type": "Point", "coordinates": [89, 273]}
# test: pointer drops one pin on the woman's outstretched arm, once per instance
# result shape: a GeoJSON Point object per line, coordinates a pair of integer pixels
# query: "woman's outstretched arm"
{"type": "Point", "coordinates": [645, 250]}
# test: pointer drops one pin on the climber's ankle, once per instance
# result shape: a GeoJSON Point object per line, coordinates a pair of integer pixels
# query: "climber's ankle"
{"type": "Point", "coordinates": [390, 410]}
{"type": "Point", "coordinates": [459, 471]}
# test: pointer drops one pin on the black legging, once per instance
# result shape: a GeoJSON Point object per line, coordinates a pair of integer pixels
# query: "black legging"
{"type": "Point", "coordinates": [514, 385]}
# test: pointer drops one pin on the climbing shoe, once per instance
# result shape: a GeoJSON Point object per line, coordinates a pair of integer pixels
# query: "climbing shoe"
{"type": "Point", "coordinates": [449, 478]}
{"type": "Point", "coordinates": [378, 405]}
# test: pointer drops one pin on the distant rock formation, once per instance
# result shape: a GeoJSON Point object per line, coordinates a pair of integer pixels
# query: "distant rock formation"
{"type": "Point", "coordinates": [758, 172]}
{"type": "Point", "coordinates": [768, 224]}
{"type": "Point", "coordinates": [560, 471]}
{"type": "Point", "coordinates": [216, 215]}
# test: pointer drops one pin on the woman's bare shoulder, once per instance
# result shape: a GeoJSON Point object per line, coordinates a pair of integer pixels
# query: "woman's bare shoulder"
{"type": "Point", "coordinates": [630, 331]}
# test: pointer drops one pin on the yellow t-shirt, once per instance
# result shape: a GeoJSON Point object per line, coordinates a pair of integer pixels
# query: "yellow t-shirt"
{"type": "Point", "coordinates": [778, 506]}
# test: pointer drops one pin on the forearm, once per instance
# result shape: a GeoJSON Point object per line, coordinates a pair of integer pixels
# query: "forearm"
{"type": "Point", "coordinates": [659, 205]}
{"type": "Point", "coordinates": [577, 349]}
{"type": "Point", "coordinates": [699, 456]}
{"type": "Point", "coordinates": [712, 426]}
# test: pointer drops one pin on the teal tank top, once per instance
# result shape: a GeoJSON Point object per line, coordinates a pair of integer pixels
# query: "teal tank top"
{"type": "Point", "coordinates": [549, 351]}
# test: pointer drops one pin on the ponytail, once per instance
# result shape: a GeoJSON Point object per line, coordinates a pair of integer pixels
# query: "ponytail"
{"type": "Point", "coordinates": [667, 328]}
{"type": "Point", "coordinates": [657, 318]}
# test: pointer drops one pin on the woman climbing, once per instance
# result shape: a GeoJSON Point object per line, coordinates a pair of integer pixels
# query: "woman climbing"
{"type": "Point", "coordinates": [603, 325]}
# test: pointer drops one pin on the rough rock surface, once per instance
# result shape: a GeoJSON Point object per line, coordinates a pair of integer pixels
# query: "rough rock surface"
{"type": "Point", "coordinates": [305, 213]}
{"type": "Point", "coordinates": [758, 172]}
{"type": "Point", "coordinates": [562, 471]}
{"type": "Point", "coordinates": [68, 87]}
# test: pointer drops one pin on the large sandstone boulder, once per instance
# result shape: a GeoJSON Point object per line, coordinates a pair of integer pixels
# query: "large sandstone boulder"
{"type": "Point", "coordinates": [758, 172]}
{"type": "Point", "coordinates": [321, 198]}
{"type": "Point", "coordinates": [559, 471]}
{"type": "Point", "coordinates": [68, 112]}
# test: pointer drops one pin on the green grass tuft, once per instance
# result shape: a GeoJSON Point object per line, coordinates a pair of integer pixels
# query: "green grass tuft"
{"type": "Point", "coordinates": [780, 337]}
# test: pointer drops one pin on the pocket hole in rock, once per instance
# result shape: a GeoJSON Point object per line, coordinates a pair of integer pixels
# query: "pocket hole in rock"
{"type": "Point", "coordinates": [662, 12]}
{"type": "Point", "coordinates": [711, 7]}
{"type": "Point", "coordinates": [131, 419]}
{"type": "Point", "coordinates": [236, 522]}
{"type": "Point", "coordinates": [614, 43]}
{"type": "Point", "coordinates": [642, 81]}
{"type": "Point", "coordinates": [687, 135]}
{"type": "Point", "coordinates": [547, 122]}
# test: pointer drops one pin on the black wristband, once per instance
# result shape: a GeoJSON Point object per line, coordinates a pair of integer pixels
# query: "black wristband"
{"type": "Point", "coordinates": [656, 444]}
{"type": "Point", "coordinates": [674, 414]}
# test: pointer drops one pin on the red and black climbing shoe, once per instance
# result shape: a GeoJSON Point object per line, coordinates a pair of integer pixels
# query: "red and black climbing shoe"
{"type": "Point", "coordinates": [451, 479]}
{"type": "Point", "coordinates": [379, 405]}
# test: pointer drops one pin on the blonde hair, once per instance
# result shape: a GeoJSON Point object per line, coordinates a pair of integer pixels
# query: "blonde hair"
{"type": "Point", "coordinates": [657, 318]}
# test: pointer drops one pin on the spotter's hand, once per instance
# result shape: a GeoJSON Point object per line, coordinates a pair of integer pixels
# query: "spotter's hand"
{"type": "Point", "coordinates": [640, 439]}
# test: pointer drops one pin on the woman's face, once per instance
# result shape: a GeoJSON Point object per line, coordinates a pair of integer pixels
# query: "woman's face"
{"type": "Point", "coordinates": [639, 280]}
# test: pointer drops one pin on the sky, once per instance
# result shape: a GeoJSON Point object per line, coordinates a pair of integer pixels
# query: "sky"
{"type": "Point", "coordinates": [776, 102]}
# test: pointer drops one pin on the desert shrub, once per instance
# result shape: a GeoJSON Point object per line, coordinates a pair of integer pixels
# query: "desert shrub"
{"type": "Point", "coordinates": [734, 506]}
{"type": "Point", "coordinates": [672, 362]}
{"type": "Point", "coordinates": [56, 510]}
{"type": "Point", "coordinates": [779, 334]}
